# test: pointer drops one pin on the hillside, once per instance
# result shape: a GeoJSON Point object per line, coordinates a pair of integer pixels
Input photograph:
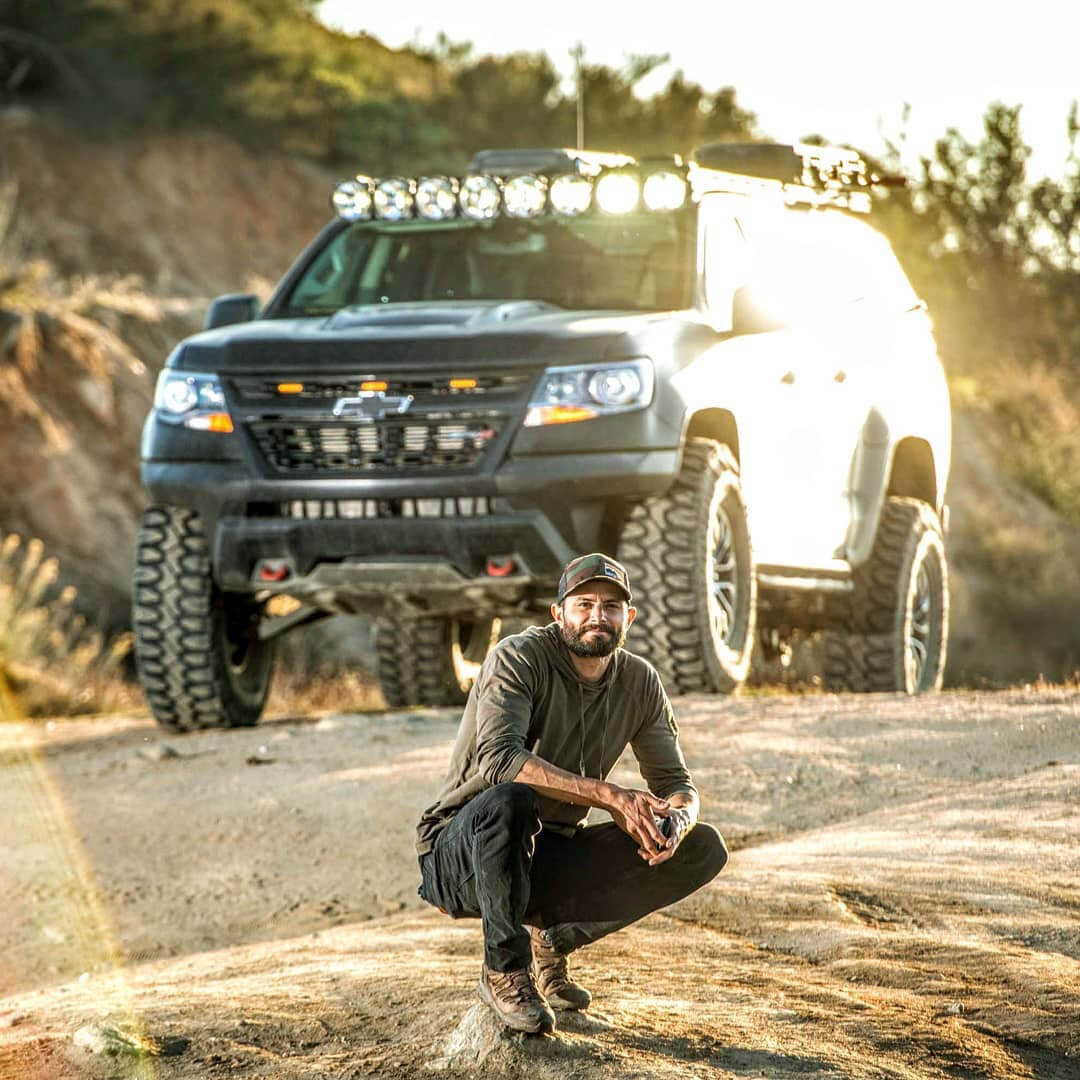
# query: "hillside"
{"type": "Point", "coordinates": [116, 244]}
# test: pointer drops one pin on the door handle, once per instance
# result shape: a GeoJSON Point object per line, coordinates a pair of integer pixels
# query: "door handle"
{"type": "Point", "coordinates": [840, 376]}
{"type": "Point", "coordinates": [787, 378]}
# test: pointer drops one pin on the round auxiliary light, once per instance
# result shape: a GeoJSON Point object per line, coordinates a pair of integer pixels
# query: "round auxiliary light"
{"type": "Point", "coordinates": [479, 197]}
{"type": "Point", "coordinates": [352, 199]}
{"type": "Point", "coordinates": [664, 191]}
{"type": "Point", "coordinates": [436, 198]}
{"type": "Point", "coordinates": [617, 193]}
{"type": "Point", "coordinates": [571, 194]}
{"type": "Point", "coordinates": [525, 196]}
{"type": "Point", "coordinates": [393, 199]}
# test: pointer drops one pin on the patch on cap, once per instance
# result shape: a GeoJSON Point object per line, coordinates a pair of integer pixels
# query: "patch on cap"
{"type": "Point", "coordinates": [594, 567]}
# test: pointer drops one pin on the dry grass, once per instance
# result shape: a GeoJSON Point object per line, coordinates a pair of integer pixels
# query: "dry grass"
{"type": "Point", "coordinates": [54, 660]}
{"type": "Point", "coordinates": [295, 691]}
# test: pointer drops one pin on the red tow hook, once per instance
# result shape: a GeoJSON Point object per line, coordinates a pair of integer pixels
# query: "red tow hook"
{"type": "Point", "coordinates": [273, 570]}
{"type": "Point", "coordinates": [500, 566]}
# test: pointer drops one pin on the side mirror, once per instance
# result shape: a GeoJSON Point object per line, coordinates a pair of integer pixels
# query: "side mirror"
{"type": "Point", "coordinates": [231, 309]}
{"type": "Point", "coordinates": [751, 314]}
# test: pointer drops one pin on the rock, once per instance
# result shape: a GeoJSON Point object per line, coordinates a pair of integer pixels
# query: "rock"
{"type": "Point", "coordinates": [475, 1039]}
{"type": "Point", "coordinates": [10, 1020]}
{"type": "Point", "coordinates": [105, 1039]}
{"type": "Point", "coordinates": [483, 1040]}
{"type": "Point", "coordinates": [158, 752]}
{"type": "Point", "coordinates": [261, 756]}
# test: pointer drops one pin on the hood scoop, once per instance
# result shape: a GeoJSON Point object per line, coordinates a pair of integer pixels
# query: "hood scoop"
{"type": "Point", "coordinates": [444, 315]}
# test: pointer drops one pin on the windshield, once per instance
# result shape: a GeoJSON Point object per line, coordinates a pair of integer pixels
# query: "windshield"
{"type": "Point", "coordinates": [632, 262]}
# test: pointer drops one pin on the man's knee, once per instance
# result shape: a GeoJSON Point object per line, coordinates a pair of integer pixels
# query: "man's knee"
{"type": "Point", "coordinates": [510, 802]}
{"type": "Point", "coordinates": [705, 846]}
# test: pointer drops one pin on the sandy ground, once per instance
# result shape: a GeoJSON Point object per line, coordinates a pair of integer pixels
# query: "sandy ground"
{"type": "Point", "coordinates": [903, 900]}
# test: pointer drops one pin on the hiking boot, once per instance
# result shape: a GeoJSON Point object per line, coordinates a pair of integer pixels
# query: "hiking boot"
{"type": "Point", "coordinates": [515, 999]}
{"type": "Point", "coordinates": [552, 972]}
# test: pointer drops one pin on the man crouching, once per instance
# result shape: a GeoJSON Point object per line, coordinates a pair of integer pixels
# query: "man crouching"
{"type": "Point", "coordinates": [547, 719]}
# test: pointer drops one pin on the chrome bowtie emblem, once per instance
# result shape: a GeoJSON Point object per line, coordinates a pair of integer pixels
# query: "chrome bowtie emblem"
{"type": "Point", "coordinates": [371, 405]}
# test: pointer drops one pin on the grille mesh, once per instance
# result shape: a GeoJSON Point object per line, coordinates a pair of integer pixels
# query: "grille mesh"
{"type": "Point", "coordinates": [385, 446]}
{"type": "Point", "coordinates": [459, 507]}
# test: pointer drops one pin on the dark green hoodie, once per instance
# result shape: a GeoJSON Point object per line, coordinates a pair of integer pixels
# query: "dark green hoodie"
{"type": "Point", "coordinates": [529, 699]}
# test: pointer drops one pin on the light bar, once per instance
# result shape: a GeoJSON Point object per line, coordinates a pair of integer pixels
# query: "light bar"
{"type": "Point", "coordinates": [618, 193]}
{"type": "Point", "coordinates": [480, 197]}
{"type": "Point", "coordinates": [352, 199]}
{"type": "Point", "coordinates": [525, 196]}
{"type": "Point", "coordinates": [664, 191]}
{"type": "Point", "coordinates": [436, 198]}
{"type": "Point", "coordinates": [619, 190]}
{"type": "Point", "coordinates": [571, 195]}
{"type": "Point", "coordinates": [393, 199]}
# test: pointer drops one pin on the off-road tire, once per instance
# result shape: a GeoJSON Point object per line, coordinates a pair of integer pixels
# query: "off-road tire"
{"type": "Point", "coordinates": [432, 660]}
{"type": "Point", "coordinates": [665, 548]}
{"type": "Point", "coordinates": [199, 660]}
{"type": "Point", "coordinates": [891, 609]}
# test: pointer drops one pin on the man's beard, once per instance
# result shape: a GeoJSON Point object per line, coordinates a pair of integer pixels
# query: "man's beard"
{"type": "Point", "coordinates": [602, 644]}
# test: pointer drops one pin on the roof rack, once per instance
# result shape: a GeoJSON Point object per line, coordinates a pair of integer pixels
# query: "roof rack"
{"type": "Point", "coordinates": [545, 160]}
{"type": "Point", "coordinates": [810, 174]}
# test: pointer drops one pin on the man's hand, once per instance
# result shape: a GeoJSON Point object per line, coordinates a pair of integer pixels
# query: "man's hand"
{"type": "Point", "coordinates": [675, 825]}
{"type": "Point", "coordinates": [636, 812]}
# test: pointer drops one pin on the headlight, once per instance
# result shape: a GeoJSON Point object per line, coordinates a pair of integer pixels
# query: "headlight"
{"type": "Point", "coordinates": [582, 392]}
{"type": "Point", "coordinates": [194, 400]}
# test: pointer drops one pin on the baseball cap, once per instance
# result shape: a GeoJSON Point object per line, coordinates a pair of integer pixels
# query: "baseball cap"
{"type": "Point", "coordinates": [594, 567]}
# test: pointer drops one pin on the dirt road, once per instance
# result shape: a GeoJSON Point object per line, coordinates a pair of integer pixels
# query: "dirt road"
{"type": "Point", "coordinates": [903, 900]}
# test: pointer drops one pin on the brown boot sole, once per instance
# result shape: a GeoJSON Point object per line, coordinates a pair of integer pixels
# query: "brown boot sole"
{"type": "Point", "coordinates": [517, 1022]}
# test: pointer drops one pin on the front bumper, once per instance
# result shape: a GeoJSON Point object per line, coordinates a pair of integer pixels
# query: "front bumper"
{"type": "Point", "coordinates": [547, 509]}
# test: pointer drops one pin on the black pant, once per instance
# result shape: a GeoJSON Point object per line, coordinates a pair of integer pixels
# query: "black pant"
{"type": "Point", "coordinates": [494, 862]}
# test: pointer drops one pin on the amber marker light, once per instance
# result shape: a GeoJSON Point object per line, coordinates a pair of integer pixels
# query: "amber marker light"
{"type": "Point", "coordinates": [217, 422]}
{"type": "Point", "coordinates": [290, 388]}
{"type": "Point", "coordinates": [373, 385]}
{"type": "Point", "coordinates": [462, 384]}
{"type": "Point", "coordinates": [557, 414]}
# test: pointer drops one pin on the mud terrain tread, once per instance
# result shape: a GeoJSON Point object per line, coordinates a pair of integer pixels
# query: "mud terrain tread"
{"type": "Point", "coordinates": [658, 546]}
{"type": "Point", "coordinates": [866, 654]}
{"type": "Point", "coordinates": [182, 676]}
{"type": "Point", "coordinates": [412, 659]}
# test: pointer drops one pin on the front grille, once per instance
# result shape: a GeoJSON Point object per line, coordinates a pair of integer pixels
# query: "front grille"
{"type": "Point", "coordinates": [460, 507]}
{"type": "Point", "coordinates": [424, 388]}
{"type": "Point", "coordinates": [445, 428]}
{"type": "Point", "coordinates": [383, 446]}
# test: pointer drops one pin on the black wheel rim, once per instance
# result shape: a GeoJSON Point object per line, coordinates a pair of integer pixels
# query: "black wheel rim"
{"type": "Point", "coordinates": [917, 646]}
{"type": "Point", "coordinates": [721, 573]}
{"type": "Point", "coordinates": [243, 652]}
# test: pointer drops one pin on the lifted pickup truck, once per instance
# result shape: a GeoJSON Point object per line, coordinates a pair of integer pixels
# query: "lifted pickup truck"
{"type": "Point", "coordinates": [716, 371]}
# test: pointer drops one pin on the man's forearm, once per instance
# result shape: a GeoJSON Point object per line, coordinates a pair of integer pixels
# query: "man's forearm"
{"type": "Point", "coordinates": [563, 786]}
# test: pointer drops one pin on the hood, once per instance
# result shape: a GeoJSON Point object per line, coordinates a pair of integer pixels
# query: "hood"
{"type": "Point", "coordinates": [378, 337]}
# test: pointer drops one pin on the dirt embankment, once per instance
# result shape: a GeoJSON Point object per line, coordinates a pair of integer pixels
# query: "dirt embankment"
{"type": "Point", "coordinates": [901, 901]}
